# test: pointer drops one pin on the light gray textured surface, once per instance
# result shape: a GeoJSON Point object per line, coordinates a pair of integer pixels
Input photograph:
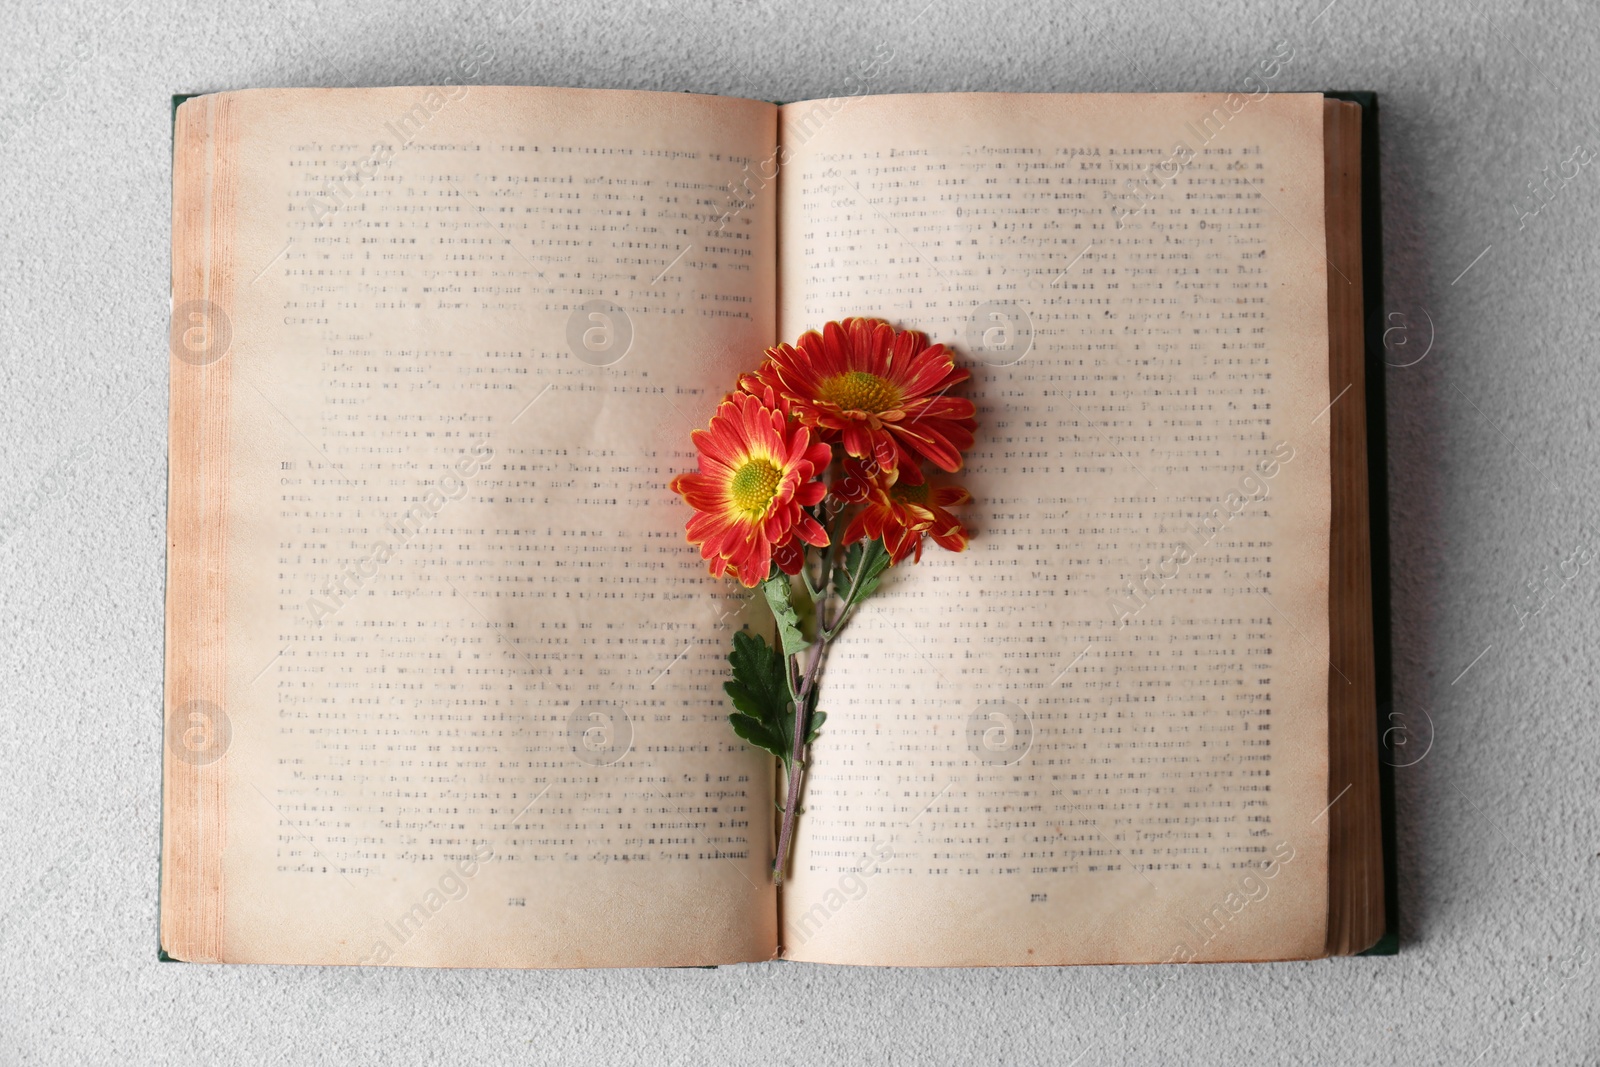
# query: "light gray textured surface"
{"type": "Point", "coordinates": [1493, 467]}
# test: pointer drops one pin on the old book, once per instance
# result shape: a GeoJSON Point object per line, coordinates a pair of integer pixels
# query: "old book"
{"type": "Point", "coordinates": [443, 680]}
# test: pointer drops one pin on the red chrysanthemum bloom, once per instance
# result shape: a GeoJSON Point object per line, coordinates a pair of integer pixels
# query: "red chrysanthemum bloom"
{"type": "Point", "coordinates": [790, 556]}
{"type": "Point", "coordinates": [885, 392]}
{"type": "Point", "coordinates": [757, 473]}
{"type": "Point", "coordinates": [902, 515]}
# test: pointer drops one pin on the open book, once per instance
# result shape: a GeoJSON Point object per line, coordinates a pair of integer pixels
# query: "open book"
{"type": "Point", "coordinates": [444, 675]}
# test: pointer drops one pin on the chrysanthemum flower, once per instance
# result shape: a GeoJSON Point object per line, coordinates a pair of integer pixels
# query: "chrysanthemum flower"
{"type": "Point", "coordinates": [757, 474]}
{"type": "Point", "coordinates": [790, 556]}
{"type": "Point", "coordinates": [885, 392]}
{"type": "Point", "coordinates": [902, 515]}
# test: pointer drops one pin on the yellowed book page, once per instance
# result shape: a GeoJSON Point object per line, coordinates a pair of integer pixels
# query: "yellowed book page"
{"type": "Point", "coordinates": [1099, 735]}
{"type": "Point", "coordinates": [444, 675]}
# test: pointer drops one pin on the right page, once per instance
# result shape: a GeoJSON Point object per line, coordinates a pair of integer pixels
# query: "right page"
{"type": "Point", "coordinates": [1100, 734]}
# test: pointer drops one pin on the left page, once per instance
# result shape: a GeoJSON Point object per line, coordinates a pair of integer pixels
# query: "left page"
{"type": "Point", "coordinates": [443, 675]}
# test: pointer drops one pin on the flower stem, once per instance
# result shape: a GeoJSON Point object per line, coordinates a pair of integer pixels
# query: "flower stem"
{"type": "Point", "coordinates": [804, 700]}
{"type": "Point", "coordinates": [797, 763]}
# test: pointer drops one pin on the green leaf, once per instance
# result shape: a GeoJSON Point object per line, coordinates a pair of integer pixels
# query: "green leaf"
{"type": "Point", "coordinates": [842, 574]}
{"type": "Point", "coordinates": [760, 691]}
{"type": "Point", "coordinates": [756, 732]}
{"type": "Point", "coordinates": [778, 591]}
{"type": "Point", "coordinates": [869, 559]}
{"type": "Point", "coordinates": [875, 560]}
{"type": "Point", "coordinates": [817, 719]}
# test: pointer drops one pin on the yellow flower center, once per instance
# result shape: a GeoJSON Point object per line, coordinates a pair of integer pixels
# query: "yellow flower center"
{"type": "Point", "coordinates": [754, 485]}
{"type": "Point", "coordinates": [912, 494]}
{"type": "Point", "coordinates": [856, 390]}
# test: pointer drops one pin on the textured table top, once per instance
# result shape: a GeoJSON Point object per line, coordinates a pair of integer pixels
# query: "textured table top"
{"type": "Point", "coordinates": [1493, 468]}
